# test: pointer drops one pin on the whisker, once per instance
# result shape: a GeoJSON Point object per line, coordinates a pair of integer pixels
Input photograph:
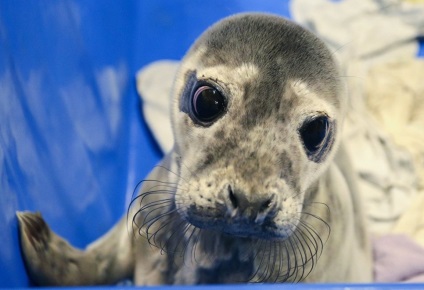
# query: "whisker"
{"type": "Point", "coordinates": [167, 226]}
{"type": "Point", "coordinates": [254, 274]}
{"type": "Point", "coordinates": [292, 271]}
{"type": "Point", "coordinates": [277, 262]}
{"type": "Point", "coordinates": [188, 169]}
{"type": "Point", "coordinates": [274, 261]}
{"type": "Point", "coordinates": [166, 186]}
{"type": "Point", "coordinates": [189, 238]}
{"type": "Point", "coordinates": [287, 274]}
{"type": "Point", "coordinates": [343, 46]}
{"type": "Point", "coordinates": [319, 203]}
{"type": "Point", "coordinates": [269, 265]}
{"type": "Point", "coordinates": [170, 171]}
{"type": "Point", "coordinates": [298, 247]}
{"type": "Point", "coordinates": [147, 192]}
{"type": "Point", "coordinates": [310, 235]}
{"type": "Point", "coordinates": [258, 272]}
{"type": "Point", "coordinates": [152, 208]}
{"type": "Point", "coordinates": [152, 221]}
{"type": "Point", "coordinates": [177, 235]}
{"type": "Point", "coordinates": [194, 250]}
{"type": "Point", "coordinates": [153, 238]}
{"type": "Point", "coordinates": [327, 225]}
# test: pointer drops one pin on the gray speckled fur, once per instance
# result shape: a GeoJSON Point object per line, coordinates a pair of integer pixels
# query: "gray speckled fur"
{"type": "Point", "coordinates": [274, 75]}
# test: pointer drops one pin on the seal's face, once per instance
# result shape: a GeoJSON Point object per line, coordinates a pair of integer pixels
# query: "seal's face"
{"type": "Point", "coordinates": [255, 114]}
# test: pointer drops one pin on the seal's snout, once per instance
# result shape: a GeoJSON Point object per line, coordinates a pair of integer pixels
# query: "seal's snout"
{"type": "Point", "coordinates": [254, 208]}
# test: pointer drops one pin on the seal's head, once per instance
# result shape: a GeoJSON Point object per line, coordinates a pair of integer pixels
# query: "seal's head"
{"type": "Point", "coordinates": [256, 113]}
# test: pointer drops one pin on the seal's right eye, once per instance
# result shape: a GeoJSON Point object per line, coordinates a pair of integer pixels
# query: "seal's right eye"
{"type": "Point", "coordinates": [317, 136]}
{"type": "Point", "coordinates": [313, 133]}
{"type": "Point", "coordinates": [208, 104]}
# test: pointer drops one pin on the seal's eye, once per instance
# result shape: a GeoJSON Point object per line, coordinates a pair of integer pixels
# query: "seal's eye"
{"type": "Point", "coordinates": [207, 104]}
{"type": "Point", "coordinates": [313, 133]}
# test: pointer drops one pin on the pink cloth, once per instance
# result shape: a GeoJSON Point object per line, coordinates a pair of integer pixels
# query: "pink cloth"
{"type": "Point", "coordinates": [397, 258]}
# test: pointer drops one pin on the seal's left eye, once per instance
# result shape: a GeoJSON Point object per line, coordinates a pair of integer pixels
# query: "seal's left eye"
{"type": "Point", "coordinates": [208, 104]}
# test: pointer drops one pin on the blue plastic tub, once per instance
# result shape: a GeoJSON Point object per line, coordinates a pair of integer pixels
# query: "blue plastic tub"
{"type": "Point", "coordinates": [73, 144]}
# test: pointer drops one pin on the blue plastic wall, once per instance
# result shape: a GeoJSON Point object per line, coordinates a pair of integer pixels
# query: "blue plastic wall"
{"type": "Point", "coordinates": [72, 141]}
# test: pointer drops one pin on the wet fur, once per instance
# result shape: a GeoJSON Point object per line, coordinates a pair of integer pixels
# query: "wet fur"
{"type": "Point", "coordinates": [297, 217]}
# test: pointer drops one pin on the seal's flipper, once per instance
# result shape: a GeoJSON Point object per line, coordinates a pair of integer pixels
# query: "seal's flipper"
{"type": "Point", "coordinates": [51, 260]}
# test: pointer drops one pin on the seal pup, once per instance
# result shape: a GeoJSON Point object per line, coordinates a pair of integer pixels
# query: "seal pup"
{"type": "Point", "coordinates": [257, 186]}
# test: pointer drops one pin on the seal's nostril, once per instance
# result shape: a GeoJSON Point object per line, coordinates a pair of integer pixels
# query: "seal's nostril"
{"type": "Point", "coordinates": [232, 197]}
{"type": "Point", "coordinates": [265, 205]}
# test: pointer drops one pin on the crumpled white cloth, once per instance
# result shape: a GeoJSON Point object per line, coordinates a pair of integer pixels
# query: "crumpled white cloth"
{"type": "Point", "coordinates": [366, 36]}
{"type": "Point", "coordinates": [395, 98]}
{"type": "Point", "coordinates": [363, 33]}
{"type": "Point", "coordinates": [154, 85]}
{"type": "Point", "coordinates": [401, 109]}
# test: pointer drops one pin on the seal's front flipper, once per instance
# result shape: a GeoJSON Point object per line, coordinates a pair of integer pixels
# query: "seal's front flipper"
{"type": "Point", "coordinates": [51, 260]}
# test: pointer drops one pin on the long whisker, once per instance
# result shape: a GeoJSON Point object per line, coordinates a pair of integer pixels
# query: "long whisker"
{"type": "Point", "coordinates": [142, 195]}
{"type": "Point", "coordinates": [318, 218]}
{"type": "Point", "coordinates": [300, 248]}
{"type": "Point", "coordinates": [310, 235]}
{"type": "Point", "coordinates": [177, 235]}
{"type": "Point", "coordinates": [170, 171]}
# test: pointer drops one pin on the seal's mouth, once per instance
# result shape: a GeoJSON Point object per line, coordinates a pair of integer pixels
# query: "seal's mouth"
{"type": "Point", "coordinates": [264, 232]}
{"type": "Point", "coordinates": [239, 225]}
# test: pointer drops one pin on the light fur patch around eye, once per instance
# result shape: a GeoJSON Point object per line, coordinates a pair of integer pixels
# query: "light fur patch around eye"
{"type": "Point", "coordinates": [313, 100]}
{"type": "Point", "coordinates": [247, 72]}
{"type": "Point", "coordinates": [239, 75]}
{"type": "Point", "coordinates": [300, 88]}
